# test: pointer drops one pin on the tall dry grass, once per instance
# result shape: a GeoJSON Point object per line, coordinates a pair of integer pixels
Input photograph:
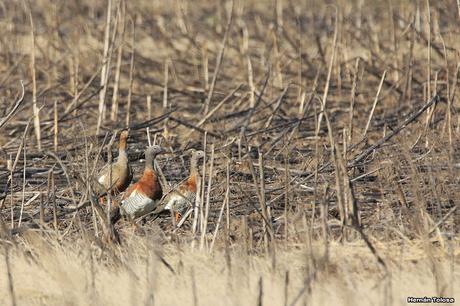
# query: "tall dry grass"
{"type": "Point", "coordinates": [330, 130]}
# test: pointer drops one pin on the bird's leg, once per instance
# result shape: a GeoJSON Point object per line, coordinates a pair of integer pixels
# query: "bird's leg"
{"type": "Point", "coordinates": [178, 216]}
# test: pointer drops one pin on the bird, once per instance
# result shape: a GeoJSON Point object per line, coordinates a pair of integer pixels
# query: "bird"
{"type": "Point", "coordinates": [143, 196]}
{"type": "Point", "coordinates": [116, 176]}
{"type": "Point", "coordinates": [179, 199]}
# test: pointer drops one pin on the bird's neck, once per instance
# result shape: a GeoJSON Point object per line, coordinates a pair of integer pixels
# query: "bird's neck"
{"type": "Point", "coordinates": [193, 166]}
{"type": "Point", "coordinates": [192, 181]}
{"type": "Point", "coordinates": [149, 163]}
{"type": "Point", "coordinates": [122, 155]}
{"type": "Point", "coordinates": [122, 145]}
{"type": "Point", "coordinates": [194, 175]}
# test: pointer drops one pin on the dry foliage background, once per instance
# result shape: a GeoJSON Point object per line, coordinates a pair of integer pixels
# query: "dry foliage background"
{"type": "Point", "coordinates": [331, 132]}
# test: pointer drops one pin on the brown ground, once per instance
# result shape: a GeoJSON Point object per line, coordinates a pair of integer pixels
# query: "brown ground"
{"type": "Point", "coordinates": [362, 210]}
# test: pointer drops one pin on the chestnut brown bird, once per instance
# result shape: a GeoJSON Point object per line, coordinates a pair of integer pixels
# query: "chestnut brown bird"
{"type": "Point", "coordinates": [117, 176]}
{"type": "Point", "coordinates": [179, 199]}
{"type": "Point", "coordinates": [143, 196]}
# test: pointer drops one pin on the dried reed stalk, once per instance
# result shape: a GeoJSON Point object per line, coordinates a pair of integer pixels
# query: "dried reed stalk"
{"type": "Point", "coordinates": [220, 56]}
{"type": "Point", "coordinates": [116, 82]}
{"type": "Point", "coordinates": [131, 72]}
{"type": "Point", "coordinates": [208, 197]}
{"type": "Point", "coordinates": [105, 68]}
{"type": "Point", "coordinates": [374, 104]}
{"type": "Point", "coordinates": [329, 72]}
{"type": "Point", "coordinates": [35, 108]}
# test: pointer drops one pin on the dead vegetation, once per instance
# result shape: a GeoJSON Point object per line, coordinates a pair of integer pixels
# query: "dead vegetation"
{"type": "Point", "coordinates": [330, 132]}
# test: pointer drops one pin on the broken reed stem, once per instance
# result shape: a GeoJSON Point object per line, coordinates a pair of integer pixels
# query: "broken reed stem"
{"type": "Point", "coordinates": [131, 72]}
{"type": "Point", "coordinates": [15, 107]}
{"type": "Point", "coordinates": [394, 132]}
{"type": "Point", "coordinates": [42, 210]}
{"type": "Point", "coordinates": [204, 55]}
{"type": "Point", "coordinates": [286, 194]}
{"type": "Point", "coordinates": [165, 86]}
{"type": "Point", "coordinates": [205, 144]}
{"type": "Point", "coordinates": [208, 196]}
{"type": "Point", "coordinates": [338, 182]}
{"type": "Point", "coordinates": [227, 197]}
{"type": "Point", "coordinates": [10, 181]}
{"type": "Point", "coordinates": [263, 202]}
{"type": "Point", "coordinates": [458, 8]}
{"type": "Point", "coordinates": [329, 73]}
{"type": "Point", "coordinates": [105, 68]}
{"type": "Point", "coordinates": [109, 192]}
{"type": "Point", "coordinates": [219, 220]}
{"type": "Point", "coordinates": [52, 197]}
{"type": "Point", "coordinates": [252, 88]}
{"type": "Point", "coordinates": [116, 82]}
{"type": "Point", "coordinates": [210, 113]}
{"type": "Point", "coordinates": [56, 127]}
{"type": "Point", "coordinates": [220, 56]}
{"type": "Point", "coordinates": [428, 71]}
{"type": "Point", "coordinates": [35, 108]}
{"type": "Point", "coordinates": [375, 104]}
{"type": "Point", "coordinates": [23, 182]}
{"type": "Point", "coordinates": [149, 107]}
{"type": "Point", "coordinates": [352, 100]}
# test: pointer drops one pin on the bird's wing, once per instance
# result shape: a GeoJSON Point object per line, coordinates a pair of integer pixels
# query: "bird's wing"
{"type": "Point", "coordinates": [136, 204]}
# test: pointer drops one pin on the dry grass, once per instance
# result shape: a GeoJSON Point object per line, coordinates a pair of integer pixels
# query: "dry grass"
{"type": "Point", "coordinates": [52, 273]}
{"type": "Point", "coordinates": [324, 159]}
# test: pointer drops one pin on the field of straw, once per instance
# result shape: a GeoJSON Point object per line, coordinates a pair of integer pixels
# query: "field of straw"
{"type": "Point", "coordinates": [330, 128]}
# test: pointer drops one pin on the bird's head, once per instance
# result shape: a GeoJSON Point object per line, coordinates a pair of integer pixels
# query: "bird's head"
{"type": "Point", "coordinates": [197, 154]}
{"type": "Point", "coordinates": [154, 150]}
{"type": "Point", "coordinates": [124, 135]}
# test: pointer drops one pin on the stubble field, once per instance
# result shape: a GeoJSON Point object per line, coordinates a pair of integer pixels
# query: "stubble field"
{"type": "Point", "coordinates": [330, 129]}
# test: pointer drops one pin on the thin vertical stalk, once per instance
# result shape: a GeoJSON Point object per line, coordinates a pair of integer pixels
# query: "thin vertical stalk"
{"type": "Point", "coordinates": [376, 99]}
{"type": "Point", "coordinates": [105, 59]}
{"type": "Point", "coordinates": [329, 72]}
{"type": "Point", "coordinates": [116, 82]}
{"type": "Point", "coordinates": [131, 72]}
{"type": "Point", "coordinates": [35, 109]}
{"type": "Point", "coordinates": [56, 127]}
{"type": "Point", "coordinates": [165, 87]}
{"type": "Point", "coordinates": [208, 196]}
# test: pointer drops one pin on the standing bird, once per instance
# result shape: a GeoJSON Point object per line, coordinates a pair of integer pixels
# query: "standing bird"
{"type": "Point", "coordinates": [121, 175]}
{"type": "Point", "coordinates": [143, 196]}
{"type": "Point", "coordinates": [184, 196]}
